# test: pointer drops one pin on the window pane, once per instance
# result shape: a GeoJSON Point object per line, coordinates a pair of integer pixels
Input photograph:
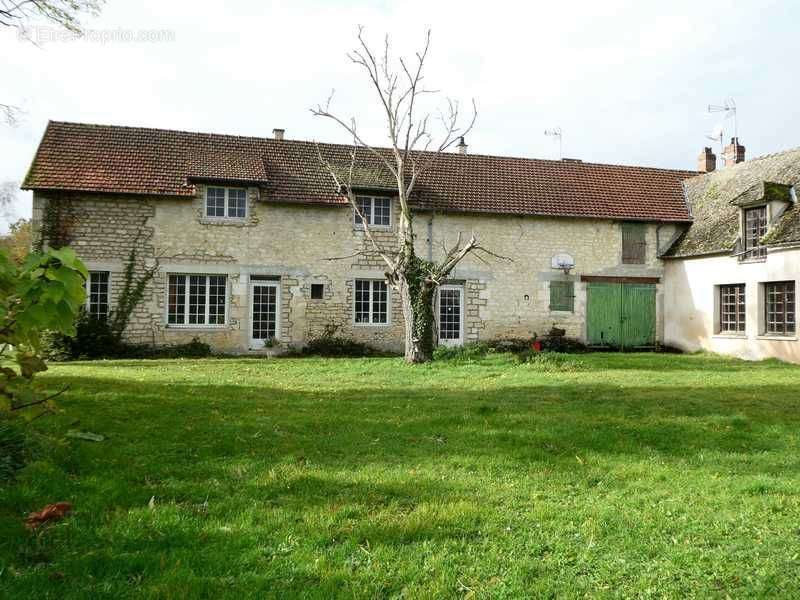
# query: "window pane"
{"type": "Point", "coordinates": [197, 299]}
{"type": "Point", "coordinates": [449, 314]}
{"type": "Point", "coordinates": [215, 202]}
{"type": "Point", "coordinates": [176, 309]}
{"type": "Point", "coordinates": [382, 208]}
{"type": "Point", "coordinates": [755, 225]}
{"type": "Point", "coordinates": [216, 299]}
{"type": "Point", "coordinates": [265, 311]}
{"type": "Point", "coordinates": [364, 204]}
{"type": "Point", "coordinates": [379, 302]}
{"type": "Point", "coordinates": [98, 294]}
{"type": "Point", "coordinates": [779, 307]}
{"type": "Point", "coordinates": [362, 290]}
{"type": "Point", "coordinates": [237, 203]}
{"type": "Point", "coordinates": [562, 295]}
{"type": "Point", "coordinates": [732, 308]}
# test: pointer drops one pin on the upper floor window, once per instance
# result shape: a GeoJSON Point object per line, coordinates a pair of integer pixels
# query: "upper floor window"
{"type": "Point", "coordinates": [634, 244]}
{"type": "Point", "coordinates": [779, 308]}
{"type": "Point", "coordinates": [371, 302]}
{"type": "Point", "coordinates": [196, 299]}
{"type": "Point", "coordinates": [226, 203]}
{"type": "Point", "coordinates": [97, 294]}
{"type": "Point", "coordinates": [732, 308]}
{"type": "Point", "coordinates": [377, 211]}
{"type": "Point", "coordinates": [755, 227]}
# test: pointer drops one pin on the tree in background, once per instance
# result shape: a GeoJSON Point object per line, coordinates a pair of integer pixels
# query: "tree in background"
{"type": "Point", "coordinates": [20, 14]}
{"type": "Point", "coordinates": [414, 148]}
{"type": "Point", "coordinates": [17, 243]}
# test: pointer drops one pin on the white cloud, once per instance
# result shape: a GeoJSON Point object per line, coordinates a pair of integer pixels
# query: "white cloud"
{"type": "Point", "coordinates": [627, 81]}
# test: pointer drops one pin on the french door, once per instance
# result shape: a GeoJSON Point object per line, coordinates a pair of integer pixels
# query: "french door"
{"type": "Point", "coordinates": [451, 315]}
{"type": "Point", "coordinates": [264, 312]}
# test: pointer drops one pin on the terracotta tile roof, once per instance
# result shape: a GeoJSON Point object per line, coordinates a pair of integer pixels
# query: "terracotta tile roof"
{"type": "Point", "coordinates": [100, 158]}
{"type": "Point", "coordinates": [716, 199]}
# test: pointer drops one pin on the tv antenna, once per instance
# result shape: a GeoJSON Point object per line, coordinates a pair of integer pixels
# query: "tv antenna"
{"type": "Point", "coordinates": [728, 110]}
{"type": "Point", "coordinates": [556, 133]}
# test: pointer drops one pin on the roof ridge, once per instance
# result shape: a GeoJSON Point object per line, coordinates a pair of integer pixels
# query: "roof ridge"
{"type": "Point", "coordinates": [455, 155]}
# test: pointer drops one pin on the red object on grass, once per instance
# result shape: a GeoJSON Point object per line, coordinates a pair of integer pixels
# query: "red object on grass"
{"type": "Point", "coordinates": [537, 346]}
{"type": "Point", "coordinates": [51, 512]}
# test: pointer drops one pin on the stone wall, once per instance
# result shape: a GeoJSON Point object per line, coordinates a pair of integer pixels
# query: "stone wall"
{"type": "Point", "coordinates": [305, 244]}
{"type": "Point", "coordinates": [104, 230]}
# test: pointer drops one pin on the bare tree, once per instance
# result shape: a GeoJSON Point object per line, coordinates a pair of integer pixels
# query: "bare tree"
{"type": "Point", "coordinates": [8, 196]}
{"type": "Point", "coordinates": [18, 14]}
{"type": "Point", "coordinates": [63, 13]}
{"type": "Point", "coordinates": [415, 147]}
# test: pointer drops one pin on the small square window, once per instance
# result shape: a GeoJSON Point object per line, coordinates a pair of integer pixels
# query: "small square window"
{"type": "Point", "coordinates": [230, 203]}
{"type": "Point", "coordinates": [562, 296]}
{"type": "Point", "coordinates": [375, 210]}
{"type": "Point", "coordinates": [317, 291]}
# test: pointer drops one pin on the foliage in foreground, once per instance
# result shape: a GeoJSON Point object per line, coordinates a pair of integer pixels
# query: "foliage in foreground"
{"type": "Point", "coordinates": [639, 475]}
{"type": "Point", "coordinates": [45, 293]}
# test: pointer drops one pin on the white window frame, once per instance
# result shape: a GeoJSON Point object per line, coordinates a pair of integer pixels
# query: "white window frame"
{"type": "Point", "coordinates": [370, 215]}
{"type": "Point", "coordinates": [225, 217]}
{"type": "Point", "coordinates": [371, 323]}
{"type": "Point", "coordinates": [461, 297]}
{"type": "Point", "coordinates": [186, 324]}
{"type": "Point", "coordinates": [260, 343]}
{"type": "Point", "coordinates": [88, 287]}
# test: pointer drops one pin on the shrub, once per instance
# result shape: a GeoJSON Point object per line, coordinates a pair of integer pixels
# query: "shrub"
{"type": "Point", "coordinates": [466, 352]}
{"type": "Point", "coordinates": [511, 344]}
{"type": "Point", "coordinates": [337, 346]}
{"type": "Point", "coordinates": [562, 344]}
{"type": "Point", "coordinates": [549, 362]}
{"type": "Point", "coordinates": [93, 339]}
{"type": "Point", "coordinates": [193, 349]}
{"type": "Point", "coordinates": [12, 450]}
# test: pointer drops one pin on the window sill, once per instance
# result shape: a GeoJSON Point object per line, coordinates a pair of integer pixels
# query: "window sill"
{"type": "Point", "coordinates": [371, 325]}
{"type": "Point", "coordinates": [777, 338]}
{"type": "Point", "coordinates": [196, 327]}
{"type": "Point", "coordinates": [747, 261]}
{"type": "Point", "coordinates": [223, 221]}
{"type": "Point", "coordinates": [730, 336]}
{"type": "Point", "coordinates": [360, 228]}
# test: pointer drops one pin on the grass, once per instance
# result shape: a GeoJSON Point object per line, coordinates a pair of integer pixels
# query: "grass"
{"type": "Point", "coordinates": [626, 475]}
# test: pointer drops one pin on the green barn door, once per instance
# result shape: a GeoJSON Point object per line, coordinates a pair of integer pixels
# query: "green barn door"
{"type": "Point", "coordinates": [602, 313]}
{"type": "Point", "coordinates": [620, 314]}
{"type": "Point", "coordinates": [638, 314]}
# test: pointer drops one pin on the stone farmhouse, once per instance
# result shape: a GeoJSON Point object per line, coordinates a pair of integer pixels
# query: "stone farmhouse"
{"type": "Point", "coordinates": [254, 247]}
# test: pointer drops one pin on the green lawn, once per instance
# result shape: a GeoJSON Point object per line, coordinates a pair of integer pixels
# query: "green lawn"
{"type": "Point", "coordinates": [630, 475]}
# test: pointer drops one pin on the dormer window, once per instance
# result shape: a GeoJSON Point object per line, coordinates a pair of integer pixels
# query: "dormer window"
{"type": "Point", "coordinates": [226, 203]}
{"type": "Point", "coordinates": [755, 227]}
{"type": "Point", "coordinates": [377, 211]}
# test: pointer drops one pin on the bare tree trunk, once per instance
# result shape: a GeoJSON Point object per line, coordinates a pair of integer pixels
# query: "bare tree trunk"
{"type": "Point", "coordinates": [417, 302]}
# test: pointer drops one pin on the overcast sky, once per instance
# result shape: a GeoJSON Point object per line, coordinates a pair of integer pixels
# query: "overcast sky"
{"type": "Point", "coordinates": [626, 83]}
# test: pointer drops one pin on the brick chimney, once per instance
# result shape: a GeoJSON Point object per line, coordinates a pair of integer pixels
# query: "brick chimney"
{"type": "Point", "coordinates": [734, 153]}
{"type": "Point", "coordinates": [462, 146]}
{"type": "Point", "coordinates": [278, 133]}
{"type": "Point", "coordinates": [707, 161]}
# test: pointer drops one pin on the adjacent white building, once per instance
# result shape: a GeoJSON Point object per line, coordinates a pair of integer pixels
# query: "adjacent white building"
{"type": "Point", "coordinates": [730, 279]}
